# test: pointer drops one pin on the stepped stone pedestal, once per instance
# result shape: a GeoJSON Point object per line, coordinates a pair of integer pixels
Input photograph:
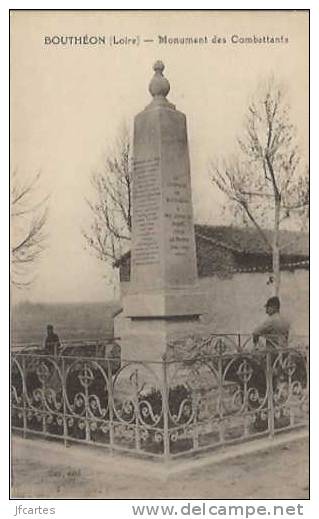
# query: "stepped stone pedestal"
{"type": "Point", "coordinates": [163, 302]}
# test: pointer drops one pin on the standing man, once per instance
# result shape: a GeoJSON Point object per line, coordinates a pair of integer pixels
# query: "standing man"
{"type": "Point", "coordinates": [275, 328]}
{"type": "Point", "coordinates": [52, 341]}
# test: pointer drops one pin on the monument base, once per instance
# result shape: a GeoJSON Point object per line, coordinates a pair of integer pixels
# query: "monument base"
{"type": "Point", "coordinates": [168, 304]}
{"type": "Point", "coordinates": [148, 339]}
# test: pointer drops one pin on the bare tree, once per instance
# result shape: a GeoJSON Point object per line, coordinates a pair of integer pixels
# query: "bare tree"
{"type": "Point", "coordinates": [29, 214]}
{"type": "Point", "coordinates": [266, 182]}
{"type": "Point", "coordinates": [109, 233]}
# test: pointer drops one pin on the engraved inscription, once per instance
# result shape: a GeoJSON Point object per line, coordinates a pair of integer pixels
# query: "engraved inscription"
{"type": "Point", "coordinates": [146, 196]}
{"type": "Point", "coordinates": [179, 216]}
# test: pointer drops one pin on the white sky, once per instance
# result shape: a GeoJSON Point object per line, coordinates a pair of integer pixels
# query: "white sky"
{"type": "Point", "coordinates": [68, 103]}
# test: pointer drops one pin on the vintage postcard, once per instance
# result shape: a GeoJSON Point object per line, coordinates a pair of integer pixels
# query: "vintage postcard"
{"type": "Point", "coordinates": [159, 255]}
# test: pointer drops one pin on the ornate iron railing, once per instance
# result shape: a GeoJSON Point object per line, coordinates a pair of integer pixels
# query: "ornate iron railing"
{"type": "Point", "coordinates": [209, 391]}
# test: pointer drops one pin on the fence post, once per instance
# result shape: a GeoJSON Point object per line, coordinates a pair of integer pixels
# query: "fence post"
{"type": "Point", "coordinates": [44, 387]}
{"type": "Point", "coordinates": [270, 392]}
{"type": "Point", "coordinates": [110, 402]}
{"type": "Point", "coordinates": [136, 410]}
{"type": "Point", "coordinates": [307, 375]}
{"type": "Point", "coordinates": [64, 397]}
{"type": "Point", "coordinates": [220, 397]}
{"type": "Point", "coordinates": [195, 432]}
{"type": "Point", "coordinates": [165, 411]}
{"type": "Point", "coordinates": [307, 370]}
{"type": "Point", "coordinates": [24, 397]}
{"type": "Point", "coordinates": [86, 402]}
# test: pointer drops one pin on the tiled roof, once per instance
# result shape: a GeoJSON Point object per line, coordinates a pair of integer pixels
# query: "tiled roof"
{"type": "Point", "coordinates": [249, 241]}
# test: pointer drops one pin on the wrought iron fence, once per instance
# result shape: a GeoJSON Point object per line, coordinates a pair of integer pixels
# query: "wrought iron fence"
{"type": "Point", "coordinates": [209, 391]}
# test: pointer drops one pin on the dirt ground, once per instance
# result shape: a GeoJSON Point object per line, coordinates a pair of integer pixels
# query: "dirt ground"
{"type": "Point", "coordinates": [49, 470]}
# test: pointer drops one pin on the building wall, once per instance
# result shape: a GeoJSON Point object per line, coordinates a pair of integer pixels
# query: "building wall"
{"type": "Point", "coordinates": [235, 304]}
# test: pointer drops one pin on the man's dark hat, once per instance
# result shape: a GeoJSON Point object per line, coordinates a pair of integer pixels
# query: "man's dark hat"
{"type": "Point", "coordinates": [274, 302]}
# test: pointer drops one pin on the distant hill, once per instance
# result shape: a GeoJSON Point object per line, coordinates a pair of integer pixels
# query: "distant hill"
{"type": "Point", "coordinates": [70, 320]}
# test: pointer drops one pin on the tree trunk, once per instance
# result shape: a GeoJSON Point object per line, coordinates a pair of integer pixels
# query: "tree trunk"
{"type": "Point", "coordinates": [275, 248]}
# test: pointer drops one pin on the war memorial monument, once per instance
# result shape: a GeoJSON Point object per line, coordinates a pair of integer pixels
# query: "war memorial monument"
{"type": "Point", "coordinates": [163, 301]}
{"type": "Point", "coordinates": [177, 388]}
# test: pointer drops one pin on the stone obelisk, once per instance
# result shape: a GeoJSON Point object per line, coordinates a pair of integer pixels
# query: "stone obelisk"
{"type": "Point", "coordinates": [163, 299]}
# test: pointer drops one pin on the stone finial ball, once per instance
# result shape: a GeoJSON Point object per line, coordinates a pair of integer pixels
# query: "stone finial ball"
{"type": "Point", "coordinates": [159, 66]}
{"type": "Point", "coordinates": [159, 85]}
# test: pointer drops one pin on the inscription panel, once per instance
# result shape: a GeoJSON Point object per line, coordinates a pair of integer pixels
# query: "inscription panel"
{"type": "Point", "coordinates": [179, 218]}
{"type": "Point", "coordinates": [146, 212]}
